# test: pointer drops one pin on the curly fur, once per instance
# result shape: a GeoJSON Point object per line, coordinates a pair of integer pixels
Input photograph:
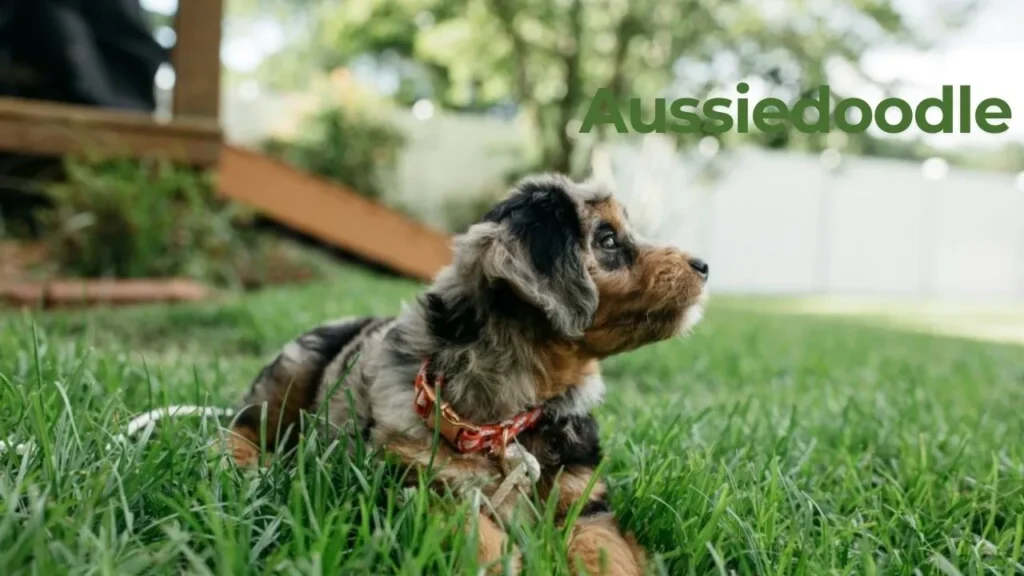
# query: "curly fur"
{"type": "Point", "coordinates": [534, 298]}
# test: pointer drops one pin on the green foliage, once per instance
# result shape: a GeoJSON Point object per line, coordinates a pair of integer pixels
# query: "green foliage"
{"type": "Point", "coordinates": [551, 57]}
{"type": "Point", "coordinates": [344, 144]}
{"type": "Point", "coordinates": [131, 219]}
{"type": "Point", "coordinates": [462, 212]}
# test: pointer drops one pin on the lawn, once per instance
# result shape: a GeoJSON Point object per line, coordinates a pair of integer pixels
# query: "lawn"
{"type": "Point", "coordinates": [767, 443]}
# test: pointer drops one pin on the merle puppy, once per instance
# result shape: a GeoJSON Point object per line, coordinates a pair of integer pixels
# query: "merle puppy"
{"type": "Point", "coordinates": [498, 356]}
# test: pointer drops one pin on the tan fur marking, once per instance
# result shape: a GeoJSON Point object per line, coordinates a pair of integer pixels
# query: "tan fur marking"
{"type": "Point", "coordinates": [596, 539]}
{"type": "Point", "coordinates": [610, 210]}
{"type": "Point", "coordinates": [243, 447]}
{"type": "Point", "coordinates": [572, 485]}
{"type": "Point", "coordinates": [643, 303]}
{"type": "Point", "coordinates": [560, 366]}
{"type": "Point", "coordinates": [599, 548]}
{"type": "Point", "coordinates": [492, 541]}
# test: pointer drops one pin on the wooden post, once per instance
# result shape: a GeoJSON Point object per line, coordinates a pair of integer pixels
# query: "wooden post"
{"type": "Point", "coordinates": [196, 58]}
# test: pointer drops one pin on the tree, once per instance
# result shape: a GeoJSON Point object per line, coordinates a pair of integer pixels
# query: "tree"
{"type": "Point", "coordinates": [549, 57]}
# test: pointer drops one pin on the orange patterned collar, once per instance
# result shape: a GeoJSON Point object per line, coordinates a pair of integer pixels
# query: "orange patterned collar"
{"type": "Point", "coordinates": [466, 436]}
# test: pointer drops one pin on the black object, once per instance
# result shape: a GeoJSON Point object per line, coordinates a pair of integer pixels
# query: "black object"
{"type": "Point", "coordinates": [90, 52]}
{"type": "Point", "coordinates": [87, 52]}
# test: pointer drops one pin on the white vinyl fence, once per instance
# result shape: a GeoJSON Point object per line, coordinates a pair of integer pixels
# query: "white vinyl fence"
{"type": "Point", "coordinates": [781, 222]}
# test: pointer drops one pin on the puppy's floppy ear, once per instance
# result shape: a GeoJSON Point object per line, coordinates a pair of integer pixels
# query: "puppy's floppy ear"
{"type": "Point", "coordinates": [534, 241]}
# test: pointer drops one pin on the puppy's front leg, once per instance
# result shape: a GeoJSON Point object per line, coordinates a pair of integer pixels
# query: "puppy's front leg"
{"type": "Point", "coordinates": [600, 548]}
{"type": "Point", "coordinates": [596, 544]}
{"type": "Point", "coordinates": [491, 542]}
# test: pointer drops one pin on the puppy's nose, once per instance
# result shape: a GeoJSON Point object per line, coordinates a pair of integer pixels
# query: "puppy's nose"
{"type": "Point", "coordinates": [700, 266]}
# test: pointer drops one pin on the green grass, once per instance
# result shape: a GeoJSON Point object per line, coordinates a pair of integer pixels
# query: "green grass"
{"type": "Point", "coordinates": [765, 444]}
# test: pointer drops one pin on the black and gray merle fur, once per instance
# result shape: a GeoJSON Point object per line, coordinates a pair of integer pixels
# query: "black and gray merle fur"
{"type": "Point", "coordinates": [523, 280]}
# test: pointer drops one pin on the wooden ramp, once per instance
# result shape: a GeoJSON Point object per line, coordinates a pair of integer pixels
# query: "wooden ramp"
{"type": "Point", "coordinates": [332, 213]}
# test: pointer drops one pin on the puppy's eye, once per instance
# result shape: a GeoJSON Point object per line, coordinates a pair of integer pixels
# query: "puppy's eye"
{"type": "Point", "coordinates": [607, 240]}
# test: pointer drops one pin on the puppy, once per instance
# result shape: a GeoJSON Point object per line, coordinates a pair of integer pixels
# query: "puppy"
{"type": "Point", "coordinates": [501, 350]}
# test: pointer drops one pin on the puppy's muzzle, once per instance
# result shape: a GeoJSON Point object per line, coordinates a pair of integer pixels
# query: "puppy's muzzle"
{"type": "Point", "coordinates": [673, 278]}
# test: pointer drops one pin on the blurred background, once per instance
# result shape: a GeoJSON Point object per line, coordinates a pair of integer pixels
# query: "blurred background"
{"type": "Point", "coordinates": [485, 88]}
{"type": "Point", "coordinates": [431, 107]}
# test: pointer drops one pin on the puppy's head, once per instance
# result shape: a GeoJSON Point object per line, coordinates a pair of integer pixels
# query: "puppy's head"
{"type": "Point", "coordinates": [565, 255]}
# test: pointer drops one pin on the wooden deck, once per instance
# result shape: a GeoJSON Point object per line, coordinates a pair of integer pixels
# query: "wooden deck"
{"type": "Point", "coordinates": [51, 129]}
{"type": "Point", "coordinates": [193, 136]}
{"type": "Point", "coordinates": [327, 211]}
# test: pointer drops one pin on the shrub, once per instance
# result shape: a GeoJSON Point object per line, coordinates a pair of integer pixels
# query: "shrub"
{"type": "Point", "coordinates": [462, 212]}
{"type": "Point", "coordinates": [130, 219]}
{"type": "Point", "coordinates": [345, 144]}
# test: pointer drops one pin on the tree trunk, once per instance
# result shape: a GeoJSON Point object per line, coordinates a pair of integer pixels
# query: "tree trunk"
{"type": "Point", "coordinates": [567, 107]}
{"type": "Point", "coordinates": [624, 34]}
